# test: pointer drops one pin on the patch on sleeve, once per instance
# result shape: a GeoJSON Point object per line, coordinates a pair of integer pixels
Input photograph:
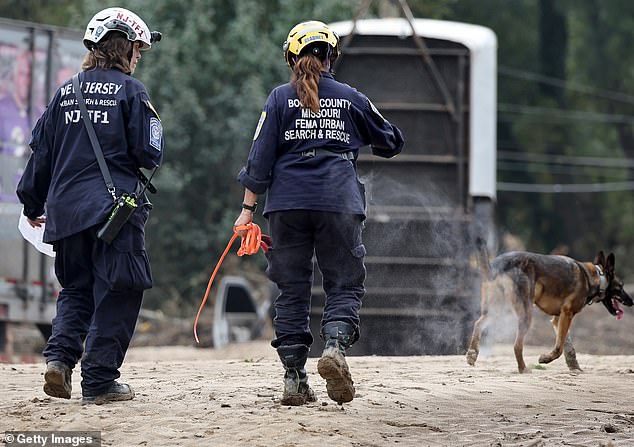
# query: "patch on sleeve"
{"type": "Point", "coordinates": [375, 110]}
{"type": "Point", "coordinates": [156, 133]}
{"type": "Point", "coordinates": [260, 123]}
{"type": "Point", "coordinates": [151, 107]}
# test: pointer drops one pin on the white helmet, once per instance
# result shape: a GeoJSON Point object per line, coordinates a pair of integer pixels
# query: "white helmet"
{"type": "Point", "coordinates": [123, 21]}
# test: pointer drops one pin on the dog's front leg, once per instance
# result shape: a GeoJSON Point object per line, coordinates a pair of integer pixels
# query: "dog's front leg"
{"type": "Point", "coordinates": [569, 350]}
{"type": "Point", "coordinates": [565, 318]}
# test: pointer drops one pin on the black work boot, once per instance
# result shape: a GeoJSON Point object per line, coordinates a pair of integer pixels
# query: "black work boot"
{"type": "Point", "coordinates": [332, 365]}
{"type": "Point", "coordinates": [116, 392]}
{"type": "Point", "coordinates": [57, 382]}
{"type": "Point", "coordinates": [296, 388]}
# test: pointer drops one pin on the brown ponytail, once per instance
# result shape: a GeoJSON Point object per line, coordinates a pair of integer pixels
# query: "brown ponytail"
{"type": "Point", "coordinates": [305, 80]}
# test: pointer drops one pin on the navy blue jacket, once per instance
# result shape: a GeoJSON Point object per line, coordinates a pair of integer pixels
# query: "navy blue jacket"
{"type": "Point", "coordinates": [63, 172]}
{"type": "Point", "coordinates": [280, 158]}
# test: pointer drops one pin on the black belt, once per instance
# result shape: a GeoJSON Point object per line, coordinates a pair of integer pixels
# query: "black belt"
{"type": "Point", "coordinates": [313, 153]}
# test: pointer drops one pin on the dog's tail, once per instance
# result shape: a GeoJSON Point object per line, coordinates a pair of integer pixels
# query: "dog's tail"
{"type": "Point", "coordinates": [483, 258]}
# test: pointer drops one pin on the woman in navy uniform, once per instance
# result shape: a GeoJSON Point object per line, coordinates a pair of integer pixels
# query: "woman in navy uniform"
{"type": "Point", "coordinates": [62, 185]}
{"type": "Point", "coordinates": [303, 154]}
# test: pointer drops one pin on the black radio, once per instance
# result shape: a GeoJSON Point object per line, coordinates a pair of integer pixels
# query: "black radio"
{"type": "Point", "coordinates": [125, 206]}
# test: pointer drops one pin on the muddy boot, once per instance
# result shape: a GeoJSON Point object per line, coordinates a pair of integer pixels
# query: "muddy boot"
{"type": "Point", "coordinates": [296, 388]}
{"type": "Point", "coordinates": [116, 392]}
{"type": "Point", "coordinates": [57, 382]}
{"type": "Point", "coordinates": [332, 365]}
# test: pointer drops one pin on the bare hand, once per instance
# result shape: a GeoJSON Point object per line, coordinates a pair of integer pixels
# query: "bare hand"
{"type": "Point", "coordinates": [244, 218]}
{"type": "Point", "coordinates": [37, 222]}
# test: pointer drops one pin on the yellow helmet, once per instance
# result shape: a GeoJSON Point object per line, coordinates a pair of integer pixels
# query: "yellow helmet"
{"type": "Point", "coordinates": [306, 33]}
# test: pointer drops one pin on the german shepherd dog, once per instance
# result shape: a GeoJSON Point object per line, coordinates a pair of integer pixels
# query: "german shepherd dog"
{"type": "Point", "coordinates": [560, 286]}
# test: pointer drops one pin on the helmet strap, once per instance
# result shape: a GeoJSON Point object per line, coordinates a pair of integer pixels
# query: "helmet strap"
{"type": "Point", "coordinates": [130, 54]}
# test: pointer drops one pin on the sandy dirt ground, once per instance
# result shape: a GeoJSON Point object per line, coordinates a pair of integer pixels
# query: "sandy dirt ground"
{"type": "Point", "coordinates": [230, 397]}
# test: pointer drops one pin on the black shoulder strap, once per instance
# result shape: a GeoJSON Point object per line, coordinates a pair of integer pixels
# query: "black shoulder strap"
{"type": "Point", "coordinates": [93, 138]}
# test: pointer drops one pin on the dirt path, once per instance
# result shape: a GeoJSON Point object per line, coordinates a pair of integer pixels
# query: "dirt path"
{"type": "Point", "coordinates": [190, 397]}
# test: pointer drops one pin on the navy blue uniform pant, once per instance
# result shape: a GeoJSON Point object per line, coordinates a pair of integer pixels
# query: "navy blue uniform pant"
{"type": "Point", "coordinates": [335, 241]}
{"type": "Point", "coordinates": [102, 289]}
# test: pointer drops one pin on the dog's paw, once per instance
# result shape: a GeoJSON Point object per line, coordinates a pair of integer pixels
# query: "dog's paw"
{"type": "Point", "coordinates": [472, 356]}
{"type": "Point", "coordinates": [545, 358]}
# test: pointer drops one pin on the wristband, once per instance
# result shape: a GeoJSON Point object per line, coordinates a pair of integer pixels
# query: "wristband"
{"type": "Point", "coordinates": [251, 208]}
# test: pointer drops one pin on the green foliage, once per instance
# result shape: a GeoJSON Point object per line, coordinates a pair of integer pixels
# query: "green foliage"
{"type": "Point", "coordinates": [593, 53]}
{"type": "Point", "coordinates": [51, 12]}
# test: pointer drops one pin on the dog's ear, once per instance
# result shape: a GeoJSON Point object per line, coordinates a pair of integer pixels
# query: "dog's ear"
{"type": "Point", "coordinates": [600, 259]}
{"type": "Point", "coordinates": [609, 265]}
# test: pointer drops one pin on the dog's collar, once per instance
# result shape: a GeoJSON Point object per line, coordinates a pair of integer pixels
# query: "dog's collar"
{"type": "Point", "coordinates": [595, 293]}
{"type": "Point", "coordinates": [603, 283]}
{"type": "Point", "coordinates": [599, 293]}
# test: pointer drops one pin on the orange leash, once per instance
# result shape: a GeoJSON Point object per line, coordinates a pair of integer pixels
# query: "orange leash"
{"type": "Point", "coordinates": [250, 245]}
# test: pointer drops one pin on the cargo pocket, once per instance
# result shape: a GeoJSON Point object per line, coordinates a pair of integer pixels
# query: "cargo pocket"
{"type": "Point", "coordinates": [354, 270]}
{"type": "Point", "coordinates": [128, 266]}
{"type": "Point", "coordinates": [358, 251]}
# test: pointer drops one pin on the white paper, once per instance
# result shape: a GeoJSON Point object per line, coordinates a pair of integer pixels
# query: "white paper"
{"type": "Point", "coordinates": [35, 235]}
